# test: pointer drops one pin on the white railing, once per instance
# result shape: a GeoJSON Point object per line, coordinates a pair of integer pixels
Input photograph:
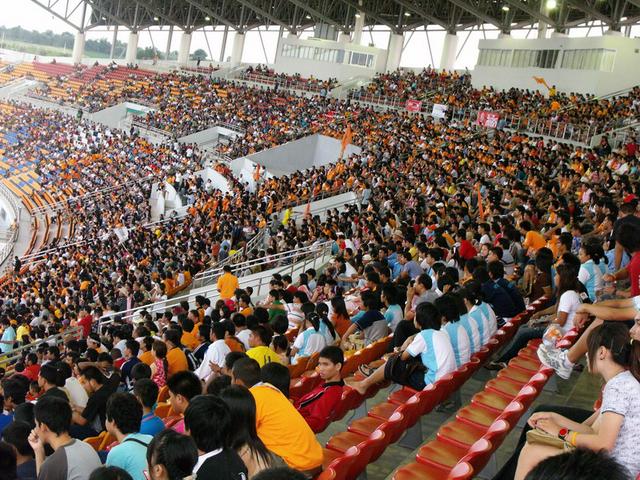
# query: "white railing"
{"type": "Point", "coordinates": [284, 84]}
{"type": "Point", "coordinates": [10, 244]}
{"type": "Point", "coordinates": [260, 282]}
{"type": "Point", "coordinates": [62, 204]}
{"type": "Point", "coordinates": [9, 359]}
{"type": "Point", "coordinates": [272, 261]}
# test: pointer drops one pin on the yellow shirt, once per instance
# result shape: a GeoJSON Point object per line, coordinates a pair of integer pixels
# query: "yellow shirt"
{"type": "Point", "coordinates": [22, 330]}
{"type": "Point", "coordinates": [263, 355]}
{"type": "Point", "coordinates": [283, 430]}
{"type": "Point", "coordinates": [227, 285]}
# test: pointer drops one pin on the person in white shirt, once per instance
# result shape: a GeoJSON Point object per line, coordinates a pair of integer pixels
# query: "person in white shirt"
{"type": "Point", "coordinates": [430, 344]}
{"type": "Point", "coordinates": [214, 358]}
{"type": "Point", "coordinates": [310, 340]}
{"type": "Point", "coordinates": [447, 305]}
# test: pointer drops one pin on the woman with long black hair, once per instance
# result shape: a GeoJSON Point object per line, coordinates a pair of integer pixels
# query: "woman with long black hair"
{"type": "Point", "coordinates": [244, 436]}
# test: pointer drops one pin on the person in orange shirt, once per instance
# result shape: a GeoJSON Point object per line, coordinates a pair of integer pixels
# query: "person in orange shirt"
{"type": "Point", "coordinates": [280, 426]}
{"type": "Point", "coordinates": [533, 240]}
{"type": "Point", "coordinates": [176, 358]}
{"type": "Point", "coordinates": [188, 339]}
{"type": "Point", "coordinates": [227, 283]}
{"type": "Point", "coordinates": [146, 355]}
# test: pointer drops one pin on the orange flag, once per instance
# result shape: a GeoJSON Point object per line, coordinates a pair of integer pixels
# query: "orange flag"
{"type": "Point", "coordinates": [480, 206]}
{"type": "Point", "coordinates": [542, 81]}
{"type": "Point", "coordinates": [346, 140]}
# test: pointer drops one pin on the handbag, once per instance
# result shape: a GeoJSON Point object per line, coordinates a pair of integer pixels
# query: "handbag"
{"type": "Point", "coordinates": [539, 437]}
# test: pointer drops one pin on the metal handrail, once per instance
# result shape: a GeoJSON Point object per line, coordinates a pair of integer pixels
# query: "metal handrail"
{"type": "Point", "coordinates": [206, 275]}
{"type": "Point", "coordinates": [260, 283]}
{"type": "Point", "coordinates": [61, 204]}
{"type": "Point", "coordinates": [14, 355]}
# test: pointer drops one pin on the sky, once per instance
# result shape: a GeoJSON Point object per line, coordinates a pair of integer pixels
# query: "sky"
{"type": "Point", "coordinates": [260, 47]}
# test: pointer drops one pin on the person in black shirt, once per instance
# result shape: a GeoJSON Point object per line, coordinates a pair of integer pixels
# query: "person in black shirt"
{"type": "Point", "coordinates": [17, 435]}
{"type": "Point", "coordinates": [88, 421]}
{"type": "Point", "coordinates": [49, 378]}
{"type": "Point", "coordinates": [208, 421]}
{"type": "Point", "coordinates": [131, 349]}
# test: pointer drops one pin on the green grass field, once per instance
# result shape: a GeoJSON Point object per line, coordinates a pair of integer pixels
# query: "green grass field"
{"type": "Point", "coordinates": [46, 50]}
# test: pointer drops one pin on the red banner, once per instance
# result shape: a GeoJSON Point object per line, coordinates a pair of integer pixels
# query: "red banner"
{"type": "Point", "coordinates": [413, 105]}
{"type": "Point", "coordinates": [488, 119]}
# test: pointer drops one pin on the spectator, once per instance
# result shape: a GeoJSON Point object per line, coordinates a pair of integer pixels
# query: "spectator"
{"type": "Point", "coordinates": [183, 386]}
{"type": "Point", "coordinates": [618, 420]}
{"type": "Point", "coordinates": [160, 365]}
{"type": "Point", "coordinates": [176, 358]}
{"type": "Point", "coordinates": [90, 420]}
{"type": "Point", "coordinates": [282, 429]}
{"type": "Point", "coordinates": [213, 361]}
{"type": "Point", "coordinates": [71, 458]}
{"type": "Point", "coordinates": [124, 415]}
{"type": "Point", "coordinates": [579, 464]}
{"type": "Point", "coordinates": [244, 436]}
{"type": "Point", "coordinates": [317, 407]}
{"type": "Point", "coordinates": [431, 344]}
{"type": "Point", "coordinates": [17, 435]}
{"type": "Point", "coordinates": [110, 473]}
{"type": "Point", "coordinates": [146, 391]}
{"type": "Point", "coordinates": [171, 456]}
{"type": "Point", "coordinates": [131, 350]}
{"type": "Point", "coordinates": [48, 380]}
{"type": "Point", "coordinates": [227, 283]}
{"type": "Point", "coordinates": [8, 462]}
{"type": "Point", "coordinates": [208, 421]}
{"type": "Point", "coordinates": [259, 340]}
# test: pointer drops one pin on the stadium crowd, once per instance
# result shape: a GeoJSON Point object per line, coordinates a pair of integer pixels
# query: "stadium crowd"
{"type": "Point", "coordinates": [454, 233]}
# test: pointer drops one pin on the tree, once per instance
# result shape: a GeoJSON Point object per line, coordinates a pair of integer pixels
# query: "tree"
{"type": "Point", "coordinates": [199, 54]}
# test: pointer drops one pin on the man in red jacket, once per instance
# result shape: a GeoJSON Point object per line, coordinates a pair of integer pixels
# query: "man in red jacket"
{"type": "Point", "coordinates": [317, 406]}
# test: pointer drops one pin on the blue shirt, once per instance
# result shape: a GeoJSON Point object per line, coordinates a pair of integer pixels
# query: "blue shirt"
{"type": "Point", "coordinates": [131, 455]}
{"type": "Point", "coordinates": [5, 420]}
{"type": "Point", "coordinates": [436, 353]}
{"type": "Point", "coordinates": [151, 425]}
{"type": "Point", "coordinates": [8, 335]}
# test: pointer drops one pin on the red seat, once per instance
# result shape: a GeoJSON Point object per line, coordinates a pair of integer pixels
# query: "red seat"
{"type": "Point", "coordinates": [400, 397]}
{"type": "Point", "coordinates": [340, 463]}
{"type": "Point", "coordinates": [525, 364]}
{"type": "Point", "coordinates": [490, 400]}
{"type": "Point", "coordinates": [478, 455]}
{"type": "Point", "coordinates": [460, 434]}
{"type": "Point", "coordinates": [514, 374]}
{"type": "Point", "coordinates": [393, 429]}
{"type": "Point", "coordinates": [440, 454]}
{"type": "Point", "coordinates": [383, 410]}
{"type": "Point", "coordinates": [462, 471]}
{"type": "Point", "coordinates": [350, 400]}
{"type": "Point", "coordinates": [504, 386]}
{"type": "Point", "coordinates": [512, 413]}
{"type": "Point", "coordinates": [476, 415]}
{"type": "Point", "coordinates": [418, 471]}
{"type": "Point", "coordinates": [526, 396]}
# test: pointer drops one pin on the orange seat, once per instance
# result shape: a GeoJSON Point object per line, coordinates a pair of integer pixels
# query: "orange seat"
{"type": "Point", "coordinates": [163, 394]}
{"type": "Point", "coordinates": [106, 440]}
{"type": "Point", "coordinates": [476, 415]}
{"type": "Point", "coordinates": [96, 441]}
{"type": "Point", "coordinates": [418, 471]}
{"type": "Point", "coordinates": [526, 364]}
{"type": "Point", "coordinates": [163, 410]}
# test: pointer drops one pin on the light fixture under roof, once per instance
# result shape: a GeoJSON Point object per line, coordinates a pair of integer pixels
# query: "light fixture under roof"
{"type": "Point", "coordinates": [308, 17]}
{"type": "Point", "coordinates": [207, 18]}
{"type": "Point", "coordinates": [505, 8]}
{"type": "Point", "coordinates": [155, 19]}
{"type": "Point", "coordinates": [407, 14]}
{"type": "Point", "coordinates": [551, 4]}
{"type": "Point", "coordinates": [357, 15]}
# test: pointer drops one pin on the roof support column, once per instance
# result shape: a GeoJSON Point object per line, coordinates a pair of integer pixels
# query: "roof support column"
{"type": "Point", "coordinates": [449, 50]}
{"type": "Point", "coordinates": [132, 48]}
{"type": "Point", "coordinates": [238, 48]}
{"type": "Point", "coordinates": [78, 48]}
{"type": "Point", "coordinates": [394, 51]}
{"type": "Point", "coordinates": [185, 47]}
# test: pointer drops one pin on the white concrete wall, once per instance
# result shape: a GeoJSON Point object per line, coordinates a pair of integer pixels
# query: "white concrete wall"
{"type": "Point", "coordinates": [315, 150]}
{"type": "Point", "coordinates": [112, 116]}
{"type": "Point", "coordinates": [324, 70]}
{"type": "Point", "coordinates": [625, 74]}
{"type": "Point", "coordinates": [218, 180]}
{"type": "Point", "coordinates": [208, 136]}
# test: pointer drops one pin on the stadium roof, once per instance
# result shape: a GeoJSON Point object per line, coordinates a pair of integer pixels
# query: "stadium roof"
{"type": "Point", "coordinates": [296, 15]}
